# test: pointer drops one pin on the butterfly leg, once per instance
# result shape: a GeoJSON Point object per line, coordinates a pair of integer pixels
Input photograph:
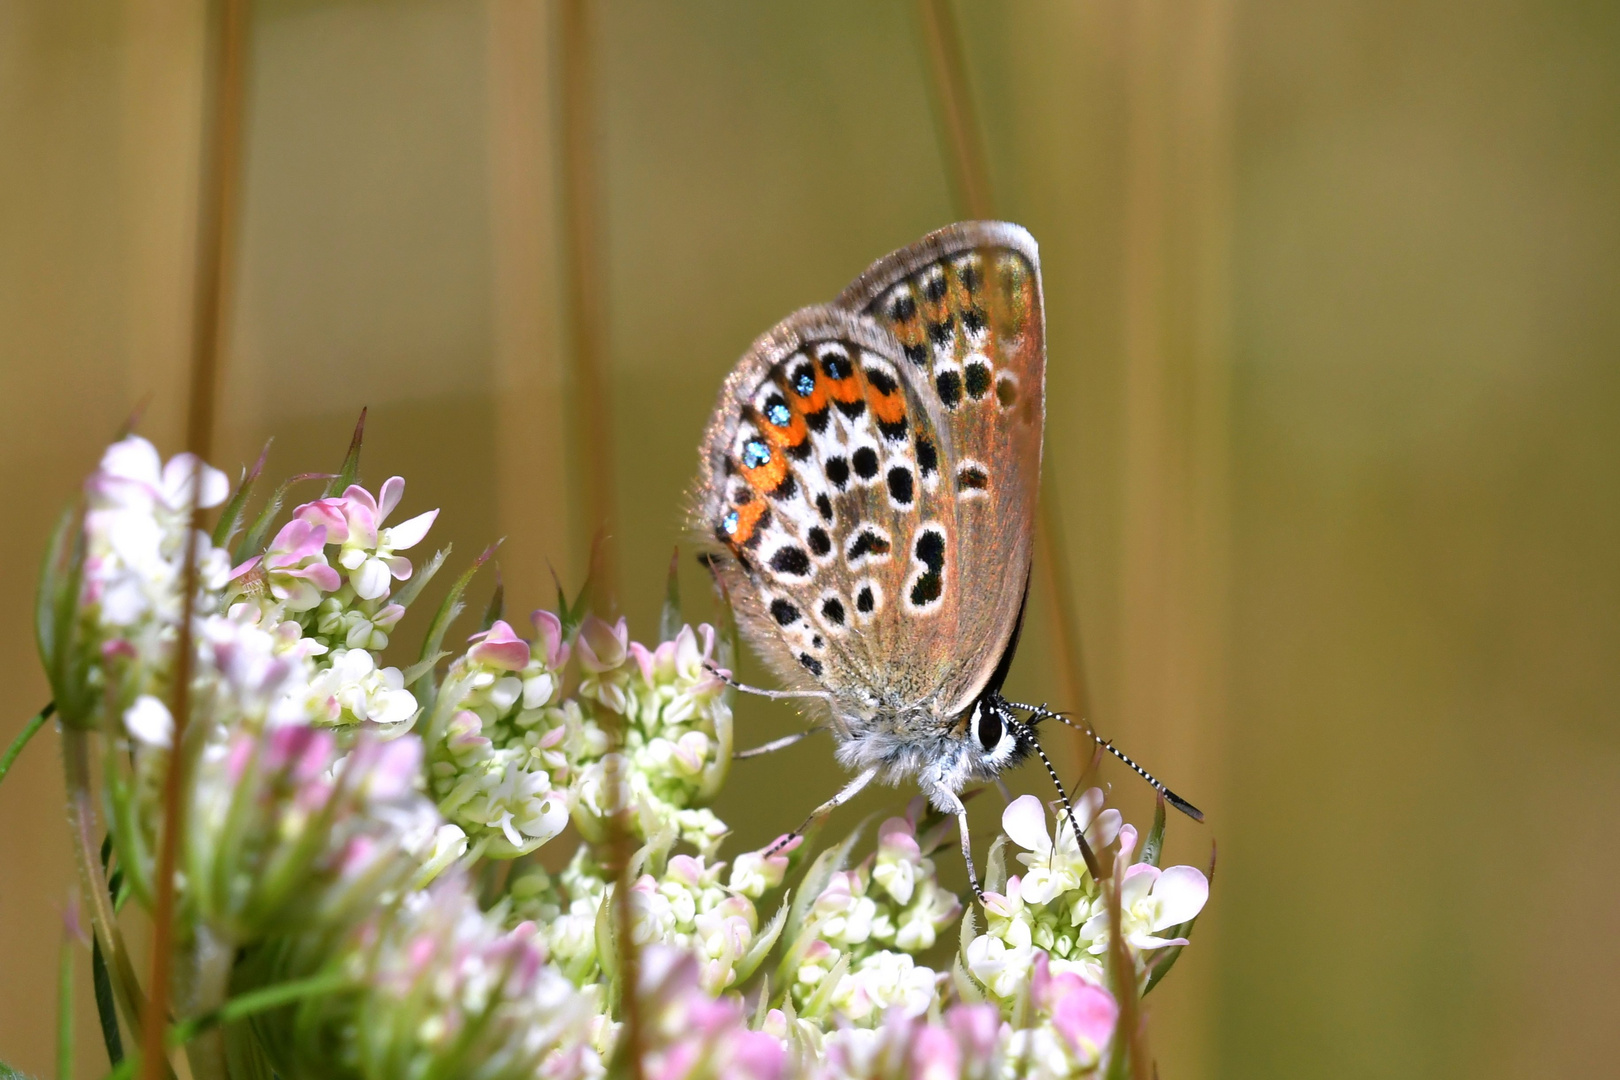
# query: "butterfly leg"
{"type": "Point", "coordinates": [948, 802]}
{"type": "Point", "coordinates": [775, 744]}
{"type": "Point", "coordinates": [757, 691]}
{"type": "Point", "coordinates": [851, 789]}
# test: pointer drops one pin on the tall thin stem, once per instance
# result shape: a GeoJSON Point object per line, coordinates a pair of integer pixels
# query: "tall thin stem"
{"type": "Point", "coordinates": [585, 283]}
{"type": "Point", "coordinates": [217, 190]}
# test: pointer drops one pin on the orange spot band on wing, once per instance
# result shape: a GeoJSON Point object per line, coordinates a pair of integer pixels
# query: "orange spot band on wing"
{"type": "Point", "coordinates": [888, 408]}
{"type": "Point", "coordinates": [747, 521]}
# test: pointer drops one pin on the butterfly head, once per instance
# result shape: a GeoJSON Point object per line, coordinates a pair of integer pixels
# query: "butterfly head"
{"type": "Point", "coordinates": [999, 739]}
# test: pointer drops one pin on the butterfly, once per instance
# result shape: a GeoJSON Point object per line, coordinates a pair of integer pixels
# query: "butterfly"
{"type": "Point", "coordinates": [866, 499]}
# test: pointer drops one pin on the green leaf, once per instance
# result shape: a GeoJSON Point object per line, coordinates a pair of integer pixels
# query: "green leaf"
{"type": "Point", "coordinates": [8, 1073]}
{"type": "Point", "coordinates": [106, 1010]}
{"type": "Point", "coordinates": [28, 732]}
{"type": "Point", "coordinates": [413, 588]}
{"type": "Point", "coordinates": [995, 870]}
{"type": "Point", "coordinates": [669, 620]}
{"type": "Point", "coordinates": [432, 645]}
{"type": "Point", "coordinates": [763, 943]}
{"type": "Point", "coordinates": [45, 601]}
{"type": "Point", "coordinates": [1170, 954]}
{"type": "Point", "coordinates": [259, 533]}
{"type": "Point", "coordinates": [230, 519]}
{"type": "Point", "coordinates": [821, 1000]}
{"type": "Point", "coordinates": [350, 472]}
{"type": "Point", "coordinates": [256, 1001]}
{"type": "Point", "coordinates": [497, 599]}
{"type": "Point", "coordinates": [1153, 846]}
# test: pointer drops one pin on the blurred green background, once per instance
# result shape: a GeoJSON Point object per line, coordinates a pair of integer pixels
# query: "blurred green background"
{"type": "Point", "coordinates": [1333, 413]}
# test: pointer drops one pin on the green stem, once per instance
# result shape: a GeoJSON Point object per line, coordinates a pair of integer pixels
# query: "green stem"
{"type": "Point", "coordinates": [81, 817]}
{"type": "Point", "coordinates": [29, 730]}
{"type": "Point", "coordinates": [64, 1011]}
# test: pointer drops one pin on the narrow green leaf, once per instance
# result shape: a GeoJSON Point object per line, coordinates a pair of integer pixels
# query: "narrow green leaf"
{"type": "Point", "coordinates": [763, 943]}
{"type": "Point", "coordinates": [45, 605]}
{"type": "Point", "coordinates": [256, 1001]}
{"type": "Point", "coordinates": [8, 1073]}
{"type": "Point", "coordinates": [29, 730]}
{"type": "Point", "coordinates": [106, 1009]}
{"type": "Point", "coordinates": [424, 666]}
{"type": "Point", "coordinates": [1153, 846]}
{"type": "Point", "coordinates": [995, 871]}
{"type": "Point", "coordinates": [815, 879]}
{"type": "Point", "coordinates": [351, 462]}
{"type": "Point", "coordinates": [230, 519]}
{"type": "Point", "coordinates": [669, 620]}
{"type": "Point", "coordinates": [413, 588]}
{"type": "Point", "coordinates": [448, 610]}
{"type": "Point", "coordinates": [259, 533]}
{"type": "Point", "coordinates": [497, 600]}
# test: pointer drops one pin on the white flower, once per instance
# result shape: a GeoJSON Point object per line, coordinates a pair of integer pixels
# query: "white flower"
{"type": "Point", "coordinates": [355, 690]}
{"type": "Point", "coordinates": [149, 721]}
{"type": "Point", "coordinates": [1001, 958]}
{"type": "Point", "coordinates": [1150, 900]}
{"type": "Point", "coordinates": [1054, 871]}
{"type": "Point", "coordinates": [883, 981]}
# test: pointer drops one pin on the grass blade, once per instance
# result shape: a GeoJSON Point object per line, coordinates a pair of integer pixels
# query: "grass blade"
{"type": "Point", "coordinates": [350, 472]}
{"type": "Point", "coordinates": [230, 519]}
{"type": "Point", "coordinates": [29, 730]}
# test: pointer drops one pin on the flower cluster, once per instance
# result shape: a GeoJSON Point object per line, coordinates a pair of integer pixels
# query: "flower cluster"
{"type": "Point", "coordinates": [376, 833]}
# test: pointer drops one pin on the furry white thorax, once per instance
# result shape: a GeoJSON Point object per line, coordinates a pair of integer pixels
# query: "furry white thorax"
{"type": "Point", "coordinates": [943, 760]}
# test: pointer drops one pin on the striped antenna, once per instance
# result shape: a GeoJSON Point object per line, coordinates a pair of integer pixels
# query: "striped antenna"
{"type": "Point", "coordinates": [1041, 712]}
{"type": "Point", "coordinates": [1026, 732]}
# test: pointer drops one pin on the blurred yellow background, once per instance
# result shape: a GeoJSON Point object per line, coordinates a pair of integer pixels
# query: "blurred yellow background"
{"type": "Point", "coordinates": [1333, 413]}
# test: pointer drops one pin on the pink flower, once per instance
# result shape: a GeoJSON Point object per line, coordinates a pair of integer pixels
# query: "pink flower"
{"type": "Point", "coordinates": [499, 647]}
{"type": "Point", "coordinates": [355, 522]}
{"type": "Point", "coordinates": [294, 566]}
{"type": "Point", "coordinates": [603, 646]}
{"type": "Point", "coordinates": [935, 1055]}
{"type": "Point", "coordinates": [552, 646]}
{"type": "Point", "coordinates": [1083, 1014]}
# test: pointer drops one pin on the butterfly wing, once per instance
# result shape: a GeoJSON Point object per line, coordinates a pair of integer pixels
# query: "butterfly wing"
{"type": "Point", "coordinates": [965, 306]}
{"type": "Point", "coordinates": [827, 516]}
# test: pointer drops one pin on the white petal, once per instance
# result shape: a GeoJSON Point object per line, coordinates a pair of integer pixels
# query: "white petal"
{"type": "Point", "coordinates": [149, 721]}
{"type": "Point", "coordinates": [1181, 892]}
{"type": "Point", "coordinates": [407, 534]}
{"type": "Point", "coordinates": [370, 580]}
{"type": "Point", "coordinates": [393, 490]}
{"type": "Point", "coordinates": [1138, 883]}
{"type": "Point", "coordinates": [1024, 821]}
{"type": "Point", "coordinates": [133, 459]}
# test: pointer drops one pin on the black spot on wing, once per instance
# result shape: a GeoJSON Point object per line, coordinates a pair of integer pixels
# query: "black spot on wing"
{"type": "Point", "coordinates": [824, 506]}
{"type": "Point", "coordinates": [927, 456]}
{"type": "Point", "coordinates": [837, 470]}
{"type": "Point", "coordinates": [949, 385]}
{"type": "Point", "coordinates": [832, 609]}
{"type": "Point", "coordinates": [977, 380]}
{"type": "Point", "coordinates": [866, 463]}
{"type": "Point", "coordinates": [790, 560]}
{"type": "Point", "coordinates": [811, 664]}
{"type": "Point", "coordinates": [900, 485]}
{"type": "Point", "coordinates": [820, 542]}
{"type": "Point", "coordinates": [865, 601]}
{"type": "Point", "coordinates": [784, 612]}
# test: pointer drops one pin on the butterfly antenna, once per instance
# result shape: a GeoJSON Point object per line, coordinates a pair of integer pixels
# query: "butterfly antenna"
{"type": "Point", "coordinates": [1027, 731]}
{"type": "Point", "coordinates": [774, 695]}
{"type": "Point", "coordinates": [1041, 712]}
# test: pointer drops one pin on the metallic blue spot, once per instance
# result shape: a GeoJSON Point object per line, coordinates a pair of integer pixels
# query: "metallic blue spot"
{"type": "Point", "coordinates": [755, 453]}
{"type": "Point", "coordinates": [778, 414]}
{"type": "Point", "coordinates": [729, 523]}
{"type": "Point", "coordinates": [804, 384]}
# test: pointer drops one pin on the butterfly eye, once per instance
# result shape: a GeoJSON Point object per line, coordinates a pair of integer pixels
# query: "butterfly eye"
{"type": "Point", "coordinates": [989, 727]}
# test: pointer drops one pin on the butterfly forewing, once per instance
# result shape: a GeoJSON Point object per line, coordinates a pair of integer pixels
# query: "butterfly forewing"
{"type": "Point", "coordinates": [823, 486]}
{"type": "Point", "coordinates": [964, 304]}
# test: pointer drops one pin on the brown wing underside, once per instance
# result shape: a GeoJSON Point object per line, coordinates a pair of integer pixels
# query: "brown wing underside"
{"type": "Point", "coordinates": [869, 475]}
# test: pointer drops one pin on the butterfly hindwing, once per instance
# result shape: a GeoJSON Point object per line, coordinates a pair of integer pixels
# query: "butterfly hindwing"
{"type": "Point", "coordinates": [964, 305]}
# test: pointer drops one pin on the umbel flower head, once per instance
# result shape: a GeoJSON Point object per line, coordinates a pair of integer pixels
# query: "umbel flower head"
{"type": "Point", "coordinates": [364, 841]}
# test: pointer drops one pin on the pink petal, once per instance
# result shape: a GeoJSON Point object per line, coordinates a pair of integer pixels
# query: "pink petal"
{"type": "Point", "coordinates": [500, 647]}
{"type": "Point", "coordinates": [133, 459]}
{"type": "Point", "coordinates": [393, 490]}
{"type": "Point", "coordinates": [756, 1055]}
{"type": "Point", "coordinates": [407, 534]}
{"type": "Point", "coordinates": [1084, 1015]}
{"type": "Point", "coordinates": [399, 566]}
{"type": "Point", "coordinates": [1024, 821]}
{"type": "Point", "coordinates": [247, 567]}
{"type": "Point", "coordinates": [935, 1055]}
{"type": "Point", "coordinates": [327, 513]}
